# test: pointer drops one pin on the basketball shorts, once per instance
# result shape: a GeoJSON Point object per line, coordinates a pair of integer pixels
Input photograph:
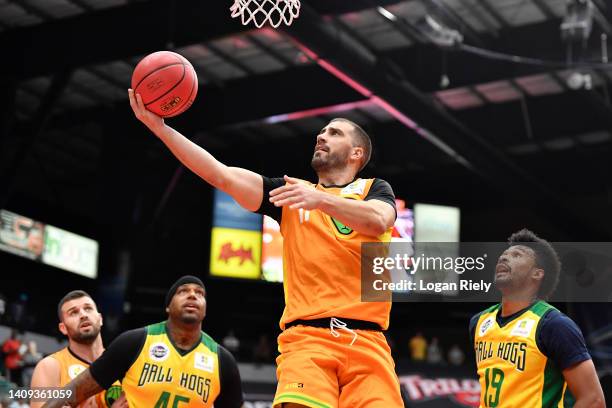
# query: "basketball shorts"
{"type": "Point", "coordinates": [323, 368]}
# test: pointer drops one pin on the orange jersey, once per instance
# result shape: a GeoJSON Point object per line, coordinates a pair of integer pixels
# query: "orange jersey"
{"type": "Point", "coordinates": [71, 366]}
{"type": "Point", "coordinates": [322, 263]}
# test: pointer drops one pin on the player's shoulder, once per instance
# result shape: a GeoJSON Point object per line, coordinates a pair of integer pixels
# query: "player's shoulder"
{"type": "Point", "coordinates": [488, 310]}
{"type": "Point", "coordinates": [127, 346]}
{"type": "Point", "coordinates": [59, 357]}
{"type": "Point", "coordinates": [225, 354]}
{"type": "Point", "coordinates": [132, 339]}
{"type": "Point", "coordinates": [554, 323]}
{"type": "Point", "coordinates": [474, 319]}
{"type": "Point", "coordinates": [375, 186]}
{"type": "Point", "coordinates": [46, 373]}
{"type": "Point", "coordinates": [554, 318]}
{"type": "Point", "coordinates": [307, 182]}
{"type": "Point", "coordinates": [210, 343]}
{"type": "Point", "coordinates": [377, 183]}
{"type": "Point", "coordinates": [150, 329]}
{"type": "Point", "coordinates": [50, 362]}
{"type": "Point", "coordinates": [377, 180]}
{"type": "Point", "coordinates": [544, 309]}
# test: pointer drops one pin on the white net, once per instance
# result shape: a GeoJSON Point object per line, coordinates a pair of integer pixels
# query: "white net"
{"type": "Point", "coordinates": [260, 12]}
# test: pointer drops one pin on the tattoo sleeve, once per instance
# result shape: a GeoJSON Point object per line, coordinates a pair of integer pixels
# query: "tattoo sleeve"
{"type": "Point", "coordinates": [77, 391]}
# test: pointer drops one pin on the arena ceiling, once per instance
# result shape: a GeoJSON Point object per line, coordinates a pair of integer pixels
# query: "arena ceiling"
{"type": "Point", "coordinates": [498, 133]}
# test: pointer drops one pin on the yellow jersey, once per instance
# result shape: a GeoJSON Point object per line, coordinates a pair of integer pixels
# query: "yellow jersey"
{"type": "Point", "coordinates": [155, 373]}
{"type": "Point", "coordinates": [512, 370]}
{"type": "Point", "coordinates": [162, 376]}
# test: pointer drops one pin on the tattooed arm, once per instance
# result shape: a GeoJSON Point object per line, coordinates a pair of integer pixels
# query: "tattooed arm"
{"type": "Point", "coordinates": [108, 368]}
{"type": "Point", "coordinates": [79, 389]}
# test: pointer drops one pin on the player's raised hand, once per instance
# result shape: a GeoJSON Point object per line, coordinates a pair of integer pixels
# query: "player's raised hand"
{"type": "Point", "coordinates": [296, 195]}
{"type": "Point", "coordinates": [151, 120]}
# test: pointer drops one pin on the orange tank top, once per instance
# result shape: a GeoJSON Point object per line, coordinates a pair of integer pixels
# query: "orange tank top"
{"type": "Point", "coordinates": [322, 263]}
{"type": "Point", "coordinates": [71, 366]}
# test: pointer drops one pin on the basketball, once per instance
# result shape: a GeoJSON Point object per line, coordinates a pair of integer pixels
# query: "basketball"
{"type": "Point", "coordinates": [167, 83]}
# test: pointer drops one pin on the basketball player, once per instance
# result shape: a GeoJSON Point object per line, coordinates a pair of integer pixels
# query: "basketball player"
{"type": "Point", "coordinates": [528, 353]}
{"type": "Point", "coordinates": [333, 351]}
{"type": "Point", "coordinates": [172, 364]}
{"type": "Point", "coordinates": [81, 323]}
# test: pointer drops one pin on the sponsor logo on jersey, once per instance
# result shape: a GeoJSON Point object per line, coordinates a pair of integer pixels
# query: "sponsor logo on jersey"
{"type": "Point", "coordinates": [159, 351]}
{"type": "Point", "coordinates": [343, 229]}
{"type": "Point", "coordinates": [75, 369]}
{"type": "Point", "coordinates": [304, 215]}
{"type": "Point", "coordinates": [356, 187]}
{"type": "Point", "coordinates": [523, 327]}
{"type": "Point", "coordinates": [486, 325]}
{"type": "Point", "coordinates": [204, 362]}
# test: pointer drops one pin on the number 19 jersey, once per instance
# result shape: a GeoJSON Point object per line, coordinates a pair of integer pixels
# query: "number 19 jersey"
{"type": "Point", "coordinates": [512, 370]}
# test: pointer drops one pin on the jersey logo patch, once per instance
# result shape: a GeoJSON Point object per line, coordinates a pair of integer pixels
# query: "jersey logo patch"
{"type": "Point", "coordinates": [356, 187]}
{"type": "Point", "coordinates": [523, 328]}
{"type": "Point", "coordinates": [343, 229]}
{"type": "Point", "coordinates": [304, 215]}
{"type": "Point", "coordinates": [204, 362]}
{"type": "Point", "coordinates": [159, 351]}
{"type": "Point", "coordinates": [74, 370]}
{"type": "Point", "coordinates": [486, 325]}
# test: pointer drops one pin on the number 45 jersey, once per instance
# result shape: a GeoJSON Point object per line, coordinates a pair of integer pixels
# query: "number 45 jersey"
{"type": "Point", "coordinates": [155, 373]}
{"type": "Point", "coordinates": [520, 361]}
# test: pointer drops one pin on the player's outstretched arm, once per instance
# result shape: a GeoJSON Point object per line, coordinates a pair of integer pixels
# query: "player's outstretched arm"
{"type": "Point", "coordinates": [245, 186]}
{"type": "Point", "coordinates": [46, 374]}
{"type": "Point", "coordinates": [79, 389]}
{"type": "Point", "coordinates": [585, 387]}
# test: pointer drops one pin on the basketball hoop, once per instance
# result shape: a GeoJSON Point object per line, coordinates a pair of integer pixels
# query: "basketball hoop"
{"type": "Point", "coordinates": [260, 12]}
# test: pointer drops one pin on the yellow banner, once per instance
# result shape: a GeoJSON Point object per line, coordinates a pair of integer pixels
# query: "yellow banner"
{"type": "Point", "coordinates": [235, 253]}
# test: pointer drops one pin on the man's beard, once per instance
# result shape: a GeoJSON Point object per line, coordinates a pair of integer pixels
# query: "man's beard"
{"type": "Point", "coordinates": [501, 284]}
{"type": "Point", "coordinates": [190, 319]}
{"type": "Point", "coordinates": [85, 338]}
{"type": "Point", "coordinates": [326, 161]}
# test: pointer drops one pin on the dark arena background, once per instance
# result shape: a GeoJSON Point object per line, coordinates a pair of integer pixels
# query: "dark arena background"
{"type": "Point", "coordinates": [497, 112]}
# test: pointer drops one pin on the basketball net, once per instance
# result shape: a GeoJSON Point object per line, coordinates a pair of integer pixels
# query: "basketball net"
{"type": "Point", "coordinates": [260, 12]}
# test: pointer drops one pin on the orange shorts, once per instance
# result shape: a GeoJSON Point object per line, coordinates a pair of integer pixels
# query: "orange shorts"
{"type": "Point", "coordinates": [318, 370]}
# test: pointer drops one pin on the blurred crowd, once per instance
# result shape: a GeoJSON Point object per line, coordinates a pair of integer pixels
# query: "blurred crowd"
{"type": "Point", "coordinates": [259, 351]}
{"type": "Point", "coordinates": [17, 361]}
{"type": "Point", "coordinates": [423, 351]}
